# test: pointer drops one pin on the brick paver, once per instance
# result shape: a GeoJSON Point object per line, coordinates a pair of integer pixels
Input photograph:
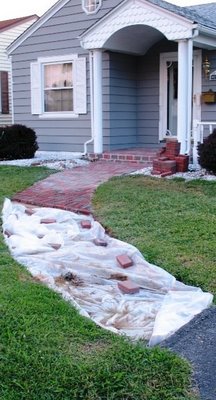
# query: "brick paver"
{"type": "Point", "coordinates": [72, 189]}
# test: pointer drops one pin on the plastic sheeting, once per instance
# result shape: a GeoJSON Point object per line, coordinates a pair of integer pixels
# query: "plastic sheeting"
{"type": "Point", "coordinates": [63, 255]}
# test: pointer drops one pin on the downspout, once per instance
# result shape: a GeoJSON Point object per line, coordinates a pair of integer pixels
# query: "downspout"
{"type": "Point", "coordinates": [91, 102]}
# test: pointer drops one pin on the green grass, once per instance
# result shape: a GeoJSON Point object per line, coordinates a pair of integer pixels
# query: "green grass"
{"type": "Point", "coordinates": [49, 352]}
{"type": "Point", "coordinates": [172, 222]}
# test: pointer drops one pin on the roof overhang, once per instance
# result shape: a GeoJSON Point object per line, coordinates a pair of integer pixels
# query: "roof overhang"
{"type": "Point", "coordinates": [206, 38]}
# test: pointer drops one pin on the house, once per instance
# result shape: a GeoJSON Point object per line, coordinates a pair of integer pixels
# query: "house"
{"type": "Point", "coordinates": [103, 75]}
{"type": "Point", "coordinates": [9, 31]}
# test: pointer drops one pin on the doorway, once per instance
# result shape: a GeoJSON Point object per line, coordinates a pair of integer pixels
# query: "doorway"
{"type": "Point", "coordinates": [169, 92]}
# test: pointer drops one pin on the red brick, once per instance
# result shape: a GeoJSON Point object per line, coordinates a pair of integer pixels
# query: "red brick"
{"type": "Point", "coordinates": [128, 287]}
{"type": "Point", "coordinates": [169, 165]}
{"type": "Point", "coordinates": [182, 162]}
{"type": "Point", "coordinates": [100, 242]}
{"type": "Point", "coordinates": [29, 211]}
{"type": "Point", "coordinates": [86, 224]}
{"type": "Point", "coordinates": [156, 172]}
{"type": "Point", "coordinates": [7, 233]}
{"type": "Point", "coordinates": [137, 158]}
{"type": "Point", "coordinates": [124, 261]}
{"type": "Point", "coordinates": [47, 221]}
{"type": "Point", "coordinates": [55, 246]}
{"type": "Point", "coordinates": [168, 173]}
{"type": "Point", "coordinates": [162, 158]}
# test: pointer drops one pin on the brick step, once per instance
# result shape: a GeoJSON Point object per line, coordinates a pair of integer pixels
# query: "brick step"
{"type": "Point", "coordinates": [134, 156]}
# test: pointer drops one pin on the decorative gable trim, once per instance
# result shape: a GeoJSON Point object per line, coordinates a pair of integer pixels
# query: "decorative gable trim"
{"type": "Point", "coordinates": [33, 28]}
{"type": "Point", "coordinates": [137, 12]}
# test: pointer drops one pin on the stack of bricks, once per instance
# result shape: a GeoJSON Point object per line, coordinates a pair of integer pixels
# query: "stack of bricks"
{"type": "Point", "coordinates": [169, 161]}
{"type": "Point", "coordinates": [127, 286]}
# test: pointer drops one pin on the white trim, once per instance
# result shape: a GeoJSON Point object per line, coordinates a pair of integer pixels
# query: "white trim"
{"type": "Point", "coordinates": [56, 59]}
{"type": "Point", "coordinates": [79, 86]}
{"type": "Point", "coordinates": [137, 12]}
{"type": "Point", "coordinates": [164, 58]}
{"type": "Point", "coordinates": [197, 87]}
{"type": "Point", "coordinates": [11, 91]}
{"type": "Point", "coordinates": [190, 94]}
{"type": "Point", "coordinates": [36, 88]}
{"type": "Point", "coordinates": [97, 101]}
{"type": "Point", "coordinates": [98, 6]}
{"type": "Point", "coordinates": [33, 28]}
{"type": "Point", "coordinates": [60, 115]}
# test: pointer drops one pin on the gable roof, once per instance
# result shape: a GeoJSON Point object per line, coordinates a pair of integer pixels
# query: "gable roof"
{"type": "Point", "coordinates": [192, 13]}
{"type": "Point", "coordinates": [10, 23]}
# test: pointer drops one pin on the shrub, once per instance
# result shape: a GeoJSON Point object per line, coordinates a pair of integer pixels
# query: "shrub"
{"type": "Point", "coordinates": [207, 152]}
{"type": "Point", "coordinates": [16, 142]}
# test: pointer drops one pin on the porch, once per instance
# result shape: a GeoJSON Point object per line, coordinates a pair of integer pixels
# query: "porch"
{"type": "Point", "coordinates": [146, 79]}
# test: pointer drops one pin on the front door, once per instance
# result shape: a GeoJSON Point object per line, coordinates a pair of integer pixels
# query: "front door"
{"type": "Point", "coordinates": [169, 93]}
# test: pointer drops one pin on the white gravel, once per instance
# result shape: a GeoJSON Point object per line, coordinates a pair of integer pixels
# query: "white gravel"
{"type": "Point", "coordinates": [52, 159]}
{"type": "Point", "coordinates": [60, 160]}
{"type": "Point", "coordinates": [193, 173]}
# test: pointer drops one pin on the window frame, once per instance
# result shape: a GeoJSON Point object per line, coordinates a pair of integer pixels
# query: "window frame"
{"type": "Point", "coordinates": [79, 86]}
{"type": "Point", "coordinates": [97, 8]}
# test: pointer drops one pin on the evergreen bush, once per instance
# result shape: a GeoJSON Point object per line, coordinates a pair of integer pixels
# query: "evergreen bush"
{"type": "Point", "coordinates": [17, 142]}
{"type": "Point", "coordinates": [207, 153]}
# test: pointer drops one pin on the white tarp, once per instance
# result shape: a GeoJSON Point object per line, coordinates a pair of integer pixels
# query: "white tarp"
{"type": "Point", "coordinates": [162, 305]}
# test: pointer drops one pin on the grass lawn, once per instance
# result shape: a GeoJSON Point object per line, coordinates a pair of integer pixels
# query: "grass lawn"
{"type": "Point", "coordinates": [48, 351]}
{"type": "Point", "coordinates": [172, 222]}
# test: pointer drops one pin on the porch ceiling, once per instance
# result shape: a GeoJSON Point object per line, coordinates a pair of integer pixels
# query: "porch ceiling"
{"type": "Point", "coordinates": [135, 39]}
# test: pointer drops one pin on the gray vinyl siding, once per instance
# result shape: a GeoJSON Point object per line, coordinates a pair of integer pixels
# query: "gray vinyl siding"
{"type": "Point", "coordinates": [148, 102]}
{"type": "Point", "coordinates": [59, 36]}
{"type": "Point", "coordinates": [123, 101]}
{"type": "Point", "coordinates": [134, 98]}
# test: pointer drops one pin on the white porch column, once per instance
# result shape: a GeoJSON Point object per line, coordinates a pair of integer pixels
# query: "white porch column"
{"type": "Point", "coordinates": [185, 54]}
{"type": "Point", "coordinates": [97, 101]}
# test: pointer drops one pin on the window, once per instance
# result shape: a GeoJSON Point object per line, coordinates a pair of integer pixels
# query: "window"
{"type": "Point", "coordinates": [91, 6]}
{"type": "Point", "coordinates": [58, 89]}
{"type": "Point", "coordinates": [58, 86]}
{"type": "Point", "coordinates": [4, 95]}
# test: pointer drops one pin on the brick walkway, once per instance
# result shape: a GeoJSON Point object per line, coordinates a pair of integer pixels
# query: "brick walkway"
{"type": "Point", "coordinates": [72, 190]}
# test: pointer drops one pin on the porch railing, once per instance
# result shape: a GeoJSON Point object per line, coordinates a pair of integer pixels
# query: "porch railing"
{"type": "Point", "coordinates": [199, 128]}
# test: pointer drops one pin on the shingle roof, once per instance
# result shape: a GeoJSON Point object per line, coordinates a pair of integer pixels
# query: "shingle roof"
{"type": "Point", "coordinates": [207, 11]}
{"type": "Point", "coordinates": [200, 14]}
{"type": "Point", "coordinates": [9, 23]}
